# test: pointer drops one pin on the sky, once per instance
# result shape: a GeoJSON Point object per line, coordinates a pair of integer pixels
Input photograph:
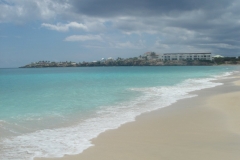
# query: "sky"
{"type": "Point", "coordinates": [88, 30]}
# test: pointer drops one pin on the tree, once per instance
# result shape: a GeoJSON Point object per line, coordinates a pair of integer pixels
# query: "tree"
{"type": "Point", "coordinates": [153, 54]}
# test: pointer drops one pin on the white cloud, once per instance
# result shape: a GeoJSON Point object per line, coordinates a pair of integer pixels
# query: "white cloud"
{"type": "Point", "coordinates": [50, 8]}
{"type": "Point", "coordinates": [125, 45]}
{"type": "Point", "coordinates": [65, 27]}
{"type": "Point", "coordinates": [158, 44]}
{"type": "Point", "coordinates": [222, 45]}
{"type": "Point", "coordinates": [216, 28]}
{"type": "Point", "coordinates": [84, 38]}
{"type": "Point", "coordinates": [22, 10]}
{"type": "Point", "coordinates": [130, 45]}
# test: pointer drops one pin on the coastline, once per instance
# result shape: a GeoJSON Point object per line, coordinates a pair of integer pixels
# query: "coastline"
{"type": "Point", "coordinates": [201, 127]}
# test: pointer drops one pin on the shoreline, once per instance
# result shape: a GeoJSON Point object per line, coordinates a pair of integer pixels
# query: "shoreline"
{"type": "Point", "coordinates": [190, 125]}
{"type": "Point", "coordinates": [214, 65]}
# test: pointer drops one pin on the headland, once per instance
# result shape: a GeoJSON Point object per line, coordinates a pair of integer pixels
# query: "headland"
{"type": "Point", "coordinates": [147, 59]}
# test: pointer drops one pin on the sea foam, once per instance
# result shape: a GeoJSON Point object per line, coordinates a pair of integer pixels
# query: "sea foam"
{"type": "Point", "coordinates": [75, 139]}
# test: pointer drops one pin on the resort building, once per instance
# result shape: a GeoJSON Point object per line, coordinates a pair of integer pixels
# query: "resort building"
{"type": "Point", "coordinates": [217, 56]}
{"type": "Point", "coordinates": [177, 56]}
{"type": "Point", "coordinates": [186, 56]}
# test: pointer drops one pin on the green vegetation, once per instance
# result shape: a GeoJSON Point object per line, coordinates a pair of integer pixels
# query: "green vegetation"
{"type": "Point", "coordinates": [226, 60]}
{"type": "Point", "coordinates": [135, 61]}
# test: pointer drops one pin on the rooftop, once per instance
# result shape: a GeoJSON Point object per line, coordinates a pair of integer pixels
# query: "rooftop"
{"type": "Point", "coordinates": [183, 53]}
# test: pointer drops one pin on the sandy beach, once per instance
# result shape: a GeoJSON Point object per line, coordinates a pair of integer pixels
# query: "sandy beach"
{"type": "Point", "coordinates": [204, 127]}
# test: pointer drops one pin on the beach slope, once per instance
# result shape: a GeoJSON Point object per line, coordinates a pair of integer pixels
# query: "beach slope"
{"type": "Point", "coordinates": [203, 127]}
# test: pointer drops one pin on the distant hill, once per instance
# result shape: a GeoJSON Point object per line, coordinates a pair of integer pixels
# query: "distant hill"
{"type": "Point", "coordinates": [137, 61]}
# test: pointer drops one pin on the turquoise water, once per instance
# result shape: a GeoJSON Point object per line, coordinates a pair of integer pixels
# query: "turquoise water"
{"type": "Point", "coordinates": [66, 107]}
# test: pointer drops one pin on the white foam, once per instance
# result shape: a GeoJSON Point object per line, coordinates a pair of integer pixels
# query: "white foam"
{"type": "Point", "coordinates": [75, 139]}
{"type": "Point", "coordinates": [2, 121]}
{"type": "Point", "coordinates": [225, 75]}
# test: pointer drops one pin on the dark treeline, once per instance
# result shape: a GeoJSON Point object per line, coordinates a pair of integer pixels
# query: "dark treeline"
{"type": "Point", "coordinates": [136, 61]}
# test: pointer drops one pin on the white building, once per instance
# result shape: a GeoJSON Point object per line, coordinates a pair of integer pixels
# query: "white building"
{"type": "Point", "coordinates": [110, 59]}
{"type": "Point", "coordinates": [217, 56]}
{"type": "Point", "coordinates": [185, 56]}
{"type": "Point", "coordinates": [103, 60]}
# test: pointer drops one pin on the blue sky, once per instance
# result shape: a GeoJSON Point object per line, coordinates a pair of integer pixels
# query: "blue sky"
{"type": "Point", "coordinates": [87, 30]}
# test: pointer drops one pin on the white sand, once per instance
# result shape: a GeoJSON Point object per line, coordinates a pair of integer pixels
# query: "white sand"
{"type": "Point", "coordinates": [206, 127]}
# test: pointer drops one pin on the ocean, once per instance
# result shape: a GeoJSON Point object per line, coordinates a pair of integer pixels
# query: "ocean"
{"type": "Point", "coordinates": [49, 112]}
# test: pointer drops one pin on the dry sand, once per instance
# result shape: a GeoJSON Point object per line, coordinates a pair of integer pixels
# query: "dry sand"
{"type": "Point", "coordinates": [206, 127]}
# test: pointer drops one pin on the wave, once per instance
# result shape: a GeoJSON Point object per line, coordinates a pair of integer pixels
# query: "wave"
{"type": "Point", "coordinates": [75, 139]}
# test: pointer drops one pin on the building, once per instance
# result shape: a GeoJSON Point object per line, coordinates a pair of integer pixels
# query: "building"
{"type": "Point", "coordinates": [110, 59]}
{"type": "Point", "coordinates": [217, 56]}
{"type": "Point", "coordinates": [151, 55]}
{"type": "Point", "coordinates": [185, 56]}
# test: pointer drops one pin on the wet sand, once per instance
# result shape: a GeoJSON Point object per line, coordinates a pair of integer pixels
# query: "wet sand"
{"type": "Point", "coordinates": [203, 127]}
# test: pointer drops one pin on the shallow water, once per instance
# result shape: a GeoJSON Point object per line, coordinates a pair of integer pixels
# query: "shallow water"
{"type": "Point", "coordinates": [66, 107]}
